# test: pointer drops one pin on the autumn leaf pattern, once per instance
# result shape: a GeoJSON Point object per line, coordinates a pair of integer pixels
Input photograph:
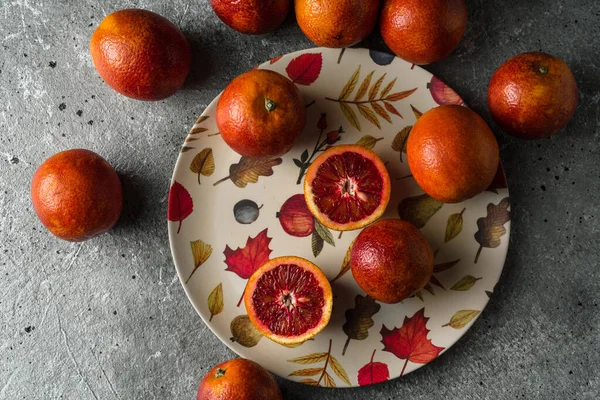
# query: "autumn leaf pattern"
{"type": "Point", "coordinates": [374, 372]}
{"type": "Point", "coordinates": [461, 318]}
{"type": "Point", "coordinates": [305, 69]}
{"type": "Point", "coordinates": [418, 210]}
{"type": "Point", "coordinates": [465, 283]}
{"type": "Point", "coordinates": [248, 170]}
{"type": "Point", "coordinates": [244, 261]}
{"type": "Point", "coordinates": [454, 226]}
{"type": "Point", "coordinates": [410, 342]}
{"type": "Point", "coordinates": [203, 163]}
{"type": "Point", "coordinates": [376, 105]}
{"type": "Point", "coordinates": [491, 227]}
{"type": "Point", "coordinates": [368, 141]}
{"type": "Point", "coordinates": [359, 319]}
{"type": "Point", "coordinates": [201, 252]}
{"type": "Point", "coordinates": [180, 204]}
{"type": "Point", "coordinates": [320, 236]}
{"type": "Point", "coordinates": [400, 140]}
{"type": "Point", "coordinates": [325, 379]}
{"type": "Point", "coordinates": [215, 301]}
{"type": "Point", "coordinates": [345, 264]}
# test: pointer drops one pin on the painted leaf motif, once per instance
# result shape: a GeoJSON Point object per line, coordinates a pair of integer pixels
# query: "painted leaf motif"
{"type": "Point", "coordinates": [180, 204]}
{"type": "Point", "coordinates": [368, 141]}
{"type": "Point", "coordinates": [388, 88]}
{"type": "Point", "coordinates": [324, 232]}
{"type": "Point", "coordinates": [418, 210]}
{"type": "Point", "coordinates": [375, 88]}
{"type": "Point", "coordinates": [185, 149]}
{"type": "Point", "coordinates": [244, 261]}
{"type": "Point", "coordinates": [454, 226]}
{"type": "Point", "coordinates": [410, 341]}
{"type": "Point", "coordinates": [373, 372]}
{"type": "Point", "coordinates": [381, 112]}
{"type": "Point", "coordinates": [201, 252]}
{"type": "Point", "coordinates": [328, 380]}
{"type": "Point", "coordinates": [197, 129]}
{"type": "Point", "coordinates": [316, 242]}
{"type": "Point", "coordinates": [203, 163]}
{"type": "Point", "coordinates": [339, 370]}
{"type": "Point", "coordinates": [465, 283]}
{"type": "Point", "coordinates": [359, 319]}
{"type": "Point", "coordinates": [248, 170]}
{"type": "Point", "coordinates": [417, 113]}
{"type": "Point", "coordinates": [461, 318]}
{"type": "Point", "coordinates": [313, 358]}
{"type": "Point", "coordinates": [345, 264]}
{"type": "Point", "coordinates": [350, 115]}
{"type": "Point", "coordinates": [307, 372]}
{"type": "Point", "coordinates": [368, 115]}
{"type": "Point", "coordinates": [400, 140]}
{"type": "Point", "coordinates": [305, 69]}
{"type": "Point", "coordinates": [433, 280]}
{"type": "Point", "coordinates": [444, 266]}
{"type": "Point", "coordinates": [392, 109]}
{"type": "Point", "coordinates": [309, 381]}
{"type": "Point", "coordinates": [491, 227]}
{"type": "Point", "coordinates": [215, 301]}
{"type": "Point", "coordinates": [350, 85]}
{"type": "Point", "coordinates": [364, 87]}
{"type": "Point", "coordinates": [400, 95]}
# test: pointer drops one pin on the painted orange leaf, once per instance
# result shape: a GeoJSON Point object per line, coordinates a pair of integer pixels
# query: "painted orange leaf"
{"type": "Point", "coordinates": [324, 377]}
{"type": "Point", "coordinates": [392, 109]}
{"type": "Point", "coordinates": [417, 113]}
{"type": "Point", "coordinates": [345, 264]}
{"type": "Point", "coordinates": [400, 95]}
{"type": "Point", "coordinates": [203, 163]}
{"type": "Point", "coordinates": [410, 342]}
{"type": "Point", "coordinates": [248, 170]}
{"type": "Point", "coordinates": [373, 372]}
{"type": "Point", "coordinates": [201, 252]}
{"type": "Point", "coordinates": [215, 301]}
{"type": "Point", "coordinates": [400, 140]}
{"type": "Point", "coordinates": [244, 261]}
{"type": "Point", "coordinates": [180, 204]}
{"type": "Point", "coordinates": [491, 227]}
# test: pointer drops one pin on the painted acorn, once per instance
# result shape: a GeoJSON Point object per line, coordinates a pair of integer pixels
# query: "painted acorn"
{"type": "Point", "coordinates": [295, 217]}
{"type": "Point", "coordinates": [246, 211]}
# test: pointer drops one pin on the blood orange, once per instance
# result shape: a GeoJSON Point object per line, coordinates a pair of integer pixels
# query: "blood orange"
{"type": "Point", "coordinates": [289, 300]}
{"type": "Point", "coordinates": [347, 187]}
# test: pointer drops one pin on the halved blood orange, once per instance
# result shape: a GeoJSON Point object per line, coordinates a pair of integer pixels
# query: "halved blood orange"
{"type": "Point", "coordinates": [288, 300]}
{"type": "Point", "coordinates": [347, 187]}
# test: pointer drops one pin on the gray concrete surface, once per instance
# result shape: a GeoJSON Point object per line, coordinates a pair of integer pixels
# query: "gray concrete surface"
{"type": "Point", "coordinates": [108, 319]}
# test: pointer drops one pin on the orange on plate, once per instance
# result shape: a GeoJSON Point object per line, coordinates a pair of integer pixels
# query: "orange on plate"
{"type": "Point", "coordinates": [533, 95]}
{"type": "Point", "coordinates": [452, 153]}
{"type": "Point", "coordinates": [289, 300]}
{"type": "Point", "coordinates": [261, 114]}
{"type": "Point", "coordinates": [140, 54]}
{"type": "Point", "coordinates": [422, 32]}
{"type": "Point", "coordinates": [391, 260]}
{"type": "Point", "coordinates": [347, 187]}
{"type": "Point", "coordinates": [77, 195]}
{"type": "Point", "coordinates": [238, 379]}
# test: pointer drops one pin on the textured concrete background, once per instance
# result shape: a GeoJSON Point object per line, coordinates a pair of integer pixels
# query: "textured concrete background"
{"type": "Point", "coordinates": [108, 319]}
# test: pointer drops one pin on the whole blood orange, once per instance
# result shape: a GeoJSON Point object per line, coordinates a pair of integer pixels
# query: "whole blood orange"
{"type": "Point", "coordinates": [288, 300]}
{"type": "Point", "coordinates": [261, 114]}
{"type": "Point", "coordinates": [336, 23]}
{"type": "Point", "coordinates": [423, 32]}
{"type": "Point", "coordinates": [77, 195]}
{"type": "Point", "coordinates": [533, 95]}
{"type": "Point", "coordinates": [254, 17]}
{"type": "Point", "coordinates": [391, 260]}
{"type": "Point", "coordinates": [140, 54]}
{"type": "Point", "coordinates": [238, 379]}
{"type": "Point", "coordinates": [347, 187]}
{"type": "Point", "coordinates": [452, 153]}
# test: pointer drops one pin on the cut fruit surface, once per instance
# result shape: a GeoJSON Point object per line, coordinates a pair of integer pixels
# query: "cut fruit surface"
{"type": "Point", "coordinates": [288, 300]}
{"type": "Point", "coordinates": [347, 187]}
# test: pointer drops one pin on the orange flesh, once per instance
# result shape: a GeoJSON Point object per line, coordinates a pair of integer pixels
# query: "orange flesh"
{"type": "Point", "coordinates": [288, 300]}
{"type": "Point", "coordinates": [347, 187]}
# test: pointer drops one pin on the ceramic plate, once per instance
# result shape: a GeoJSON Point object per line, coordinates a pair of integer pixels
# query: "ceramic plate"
{"type": "Point", "coordinates": [228, 215]}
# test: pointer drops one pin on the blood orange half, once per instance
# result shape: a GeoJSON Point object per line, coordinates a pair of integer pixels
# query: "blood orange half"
{"type": "Point", "coordinates": [288, 300]}
{"type": "Point", "coordinates": [347, 187]}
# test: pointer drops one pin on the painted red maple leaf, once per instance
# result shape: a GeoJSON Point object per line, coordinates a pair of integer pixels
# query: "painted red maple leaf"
{"type": "Point", "coordinates": [244, 261]}
{"type": "Point", "coordinates": [305, 69]}
{"type": "Point", "coordinates": [373, 372]}
{"type": "Point", "coordinates": [410, 341]}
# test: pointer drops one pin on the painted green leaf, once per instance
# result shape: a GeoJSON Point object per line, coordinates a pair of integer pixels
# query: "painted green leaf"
{"type": "Point", "coordinates": [461, 318]}
{"type": "Point", "coordinates": [317, 243]}
{"type": "Point", "coordinates": [400, 140]}
{"type": "Point", "coordinates": [465, 283]}
{"type": "Point", "coordinates": [454, 226]}
{"type": "Point", "coordinates": [359, 319]}
{"type": "Point", "coordinates": [324, 233]}
{"type": "Point", "coordinates": [418, 210]}
{"type": "Point", "coordinates": [368, 141]}
{"type": "Point", "coordinates": [444, 266]}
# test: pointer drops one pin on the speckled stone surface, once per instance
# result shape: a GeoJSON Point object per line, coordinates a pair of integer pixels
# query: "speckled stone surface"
{"type": "Point", "coordinates": [108, 319]}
